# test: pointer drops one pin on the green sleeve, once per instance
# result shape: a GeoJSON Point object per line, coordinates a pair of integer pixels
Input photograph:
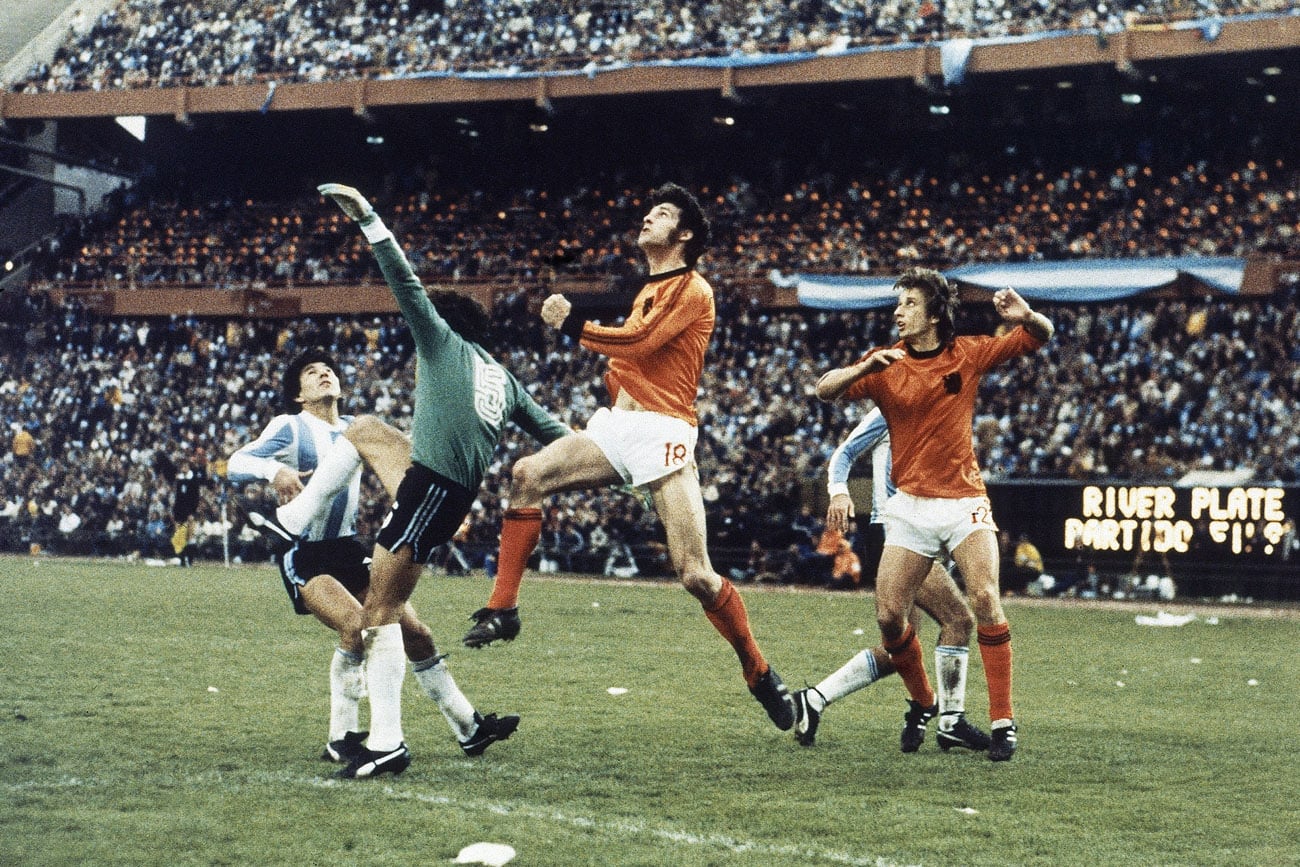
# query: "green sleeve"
{"type": "Point", "coordinates": [427, 327]}
{"type": "Point", "coordinates": [535, 421]}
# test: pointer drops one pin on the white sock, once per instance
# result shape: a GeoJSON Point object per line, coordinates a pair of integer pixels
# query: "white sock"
{"type": "Point", "coordinates": [436, 681]}
{"type": "Point", "coordinates": [347, 688]}
{"type": "Point", "coordinates": [852, 676]}
{"type": "Point", "coordinates": [385, 671]}
{"type": "Point", "coordinates": [331, 476]}
{"type": "Point", "coordinates": [950, 665]}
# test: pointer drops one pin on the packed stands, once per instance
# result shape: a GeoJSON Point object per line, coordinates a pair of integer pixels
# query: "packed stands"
{"type": "Point", "coordinates": [862, 224]}
{"type": "Point", "coordinates": [1140, 390]}
{"type": "Point", "coordinates": [149, 43]}
{"type": "Point", "coordinates": [1146, 389]}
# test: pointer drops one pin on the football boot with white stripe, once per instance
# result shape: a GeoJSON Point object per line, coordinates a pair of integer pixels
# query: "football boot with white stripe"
{"type": "Point", "coordinates": [372, 763]}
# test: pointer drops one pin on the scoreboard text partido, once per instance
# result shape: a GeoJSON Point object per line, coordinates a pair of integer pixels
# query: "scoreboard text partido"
{"type": "Point", "coordinates": [1172, 520]}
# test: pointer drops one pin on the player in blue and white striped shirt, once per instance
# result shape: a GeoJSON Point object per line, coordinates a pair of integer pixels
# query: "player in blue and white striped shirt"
{"type": "Point", "coordinates": [939, 597]}
{"type": "Point", "coordinates": [327, 573]}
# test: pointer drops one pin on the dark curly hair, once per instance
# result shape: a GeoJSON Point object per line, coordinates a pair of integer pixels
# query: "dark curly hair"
{"type": "Point", "coordinates": [940, 297]}
{"type": "Point", "coordinates": [291, 385]}
{"type": "Point", "coordinates": [692, 218]}
{"type": "Point", "coordinates": [463, 315]}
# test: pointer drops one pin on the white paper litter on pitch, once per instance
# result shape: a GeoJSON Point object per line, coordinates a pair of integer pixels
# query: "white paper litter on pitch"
{"type": "Point", "coordinates": [492, 854]}
{"type": "Point", "coordinates": [858, 631]}
{"type": "Point", "coordinates": [969, 811]}
{"type": "Point", "coordinates": [617, 690]}
{"type": "Point", "coordinates": [1164, 618]}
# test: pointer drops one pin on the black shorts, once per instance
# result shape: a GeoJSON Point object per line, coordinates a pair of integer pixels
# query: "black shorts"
{"type": "Point", "coordinates": [346, 560]}
{"type": "Point", "coordinates": [426, 513]}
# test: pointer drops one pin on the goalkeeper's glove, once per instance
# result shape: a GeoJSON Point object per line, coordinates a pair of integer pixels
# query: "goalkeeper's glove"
{"type": "Point", "coordinates": [355, 206]}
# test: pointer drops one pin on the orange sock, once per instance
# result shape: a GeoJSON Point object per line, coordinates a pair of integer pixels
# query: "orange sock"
{"type": "Point", "coordinates": [520, 530]}
{"type": "Point", "coordinates": [906, 656]}
{"type": "Point", "coordinates": [995, 652]}
{"type": "Point", "coordinates": [729, 617]}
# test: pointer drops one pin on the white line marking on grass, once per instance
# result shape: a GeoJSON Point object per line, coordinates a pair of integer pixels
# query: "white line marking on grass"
{"type": "Point", "coordinates": [623, 828]}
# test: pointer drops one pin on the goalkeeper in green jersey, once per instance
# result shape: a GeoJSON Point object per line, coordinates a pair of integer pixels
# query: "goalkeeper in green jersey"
{"type": "Point", "coordinates": [463, 399]}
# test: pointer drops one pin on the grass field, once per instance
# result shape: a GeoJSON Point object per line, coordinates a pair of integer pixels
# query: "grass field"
{"type": "Point", "coordinates": [169, 716]}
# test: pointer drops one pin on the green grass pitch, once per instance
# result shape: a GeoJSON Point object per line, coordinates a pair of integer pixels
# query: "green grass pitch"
{"type": "Point", "coordinates": [174, 716]}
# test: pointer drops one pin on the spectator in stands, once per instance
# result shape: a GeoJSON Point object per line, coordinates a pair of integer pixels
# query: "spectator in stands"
{"type": "Point", "coordinates": [1026, 564]}
{"type": "Point", "coordinates": [566, 543]}
{"type": "Point", "coordinates": [845, 565]}
{"type": "Point", "coordinates": [23, 445]}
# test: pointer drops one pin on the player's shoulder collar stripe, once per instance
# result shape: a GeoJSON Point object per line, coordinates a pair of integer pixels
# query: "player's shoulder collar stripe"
{"type": "Point", "coordinates": [928, 353]}
{"type": "Point", "coordinates": [665, 275]}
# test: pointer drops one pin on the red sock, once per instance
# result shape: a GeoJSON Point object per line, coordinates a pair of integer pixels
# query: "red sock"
{"type": "Point", "coordinates": [995, 653]}
{"type": "Point", "coordinates": [905, 654]}
{"type": "Point", "coordinates": [520, 530]}
{"type": "Point", "coordinates": [729, 617]}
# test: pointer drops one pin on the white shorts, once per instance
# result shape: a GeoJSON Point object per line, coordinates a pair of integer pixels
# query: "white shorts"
{"type": "Point", "coordinates": [934, 526]}
{"type": "Point", "coordinates": [643, 446]}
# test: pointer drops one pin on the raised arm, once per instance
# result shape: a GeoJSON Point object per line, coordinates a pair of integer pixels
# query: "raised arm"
{"type": "Point", "coordinates": [1015, 310]}
{"type": "Point", "coordinates": [426, 325]}
{"type": "Point", "coordinates": [834, 383]}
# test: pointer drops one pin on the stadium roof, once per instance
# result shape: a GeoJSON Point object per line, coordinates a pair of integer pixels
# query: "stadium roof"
{"type": "Point", "coordinates": [21, 21]}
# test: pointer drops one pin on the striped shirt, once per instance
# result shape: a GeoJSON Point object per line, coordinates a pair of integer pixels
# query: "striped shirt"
{"type": "Point", "coordinates": [299, 442]}
{"type": "Point", "coordinates": [870, 435]}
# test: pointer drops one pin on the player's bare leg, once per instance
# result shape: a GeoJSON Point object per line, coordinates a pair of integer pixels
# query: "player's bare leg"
{"type": "Point", "coordinates": [902, 572]}
{"type": "Point", "coordinates": [680, 506]}
{"type": "Point", "coordinates": [474, 731]}
{"type": "Point", "coordinates": [383, 448]}
{"type": "Point", "coordinates": [570, 463]}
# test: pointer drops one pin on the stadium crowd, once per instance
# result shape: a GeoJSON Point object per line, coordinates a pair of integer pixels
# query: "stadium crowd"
{"type": "Point", "coordinates": [828, 224]}
{"type": "Point", "coordinates": [1140, 389]}
{"type": "Point", "coordinates": [150, 43]}
{"type": "Point", "coordinates": [97, 411]}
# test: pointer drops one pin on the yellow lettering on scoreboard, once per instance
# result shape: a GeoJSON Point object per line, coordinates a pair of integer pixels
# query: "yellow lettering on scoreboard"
{"type": "Point", "coordinates": [1152, 518]}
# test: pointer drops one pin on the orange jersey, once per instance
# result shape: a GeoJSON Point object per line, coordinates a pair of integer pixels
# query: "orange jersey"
{"type": "Point", "coordinates": [928, 400]}
{"type": "Point", "coordinates": [657, 354]}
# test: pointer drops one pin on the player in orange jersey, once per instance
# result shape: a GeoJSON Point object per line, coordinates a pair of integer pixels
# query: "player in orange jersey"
{"type": "Point", "coordinates": [647, 438]}
{"type": "Point", "coordinates": [926, 386]}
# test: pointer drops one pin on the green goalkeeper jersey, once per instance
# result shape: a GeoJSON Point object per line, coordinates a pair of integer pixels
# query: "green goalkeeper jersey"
{"type": "Point", "coordinates": [463, 398]}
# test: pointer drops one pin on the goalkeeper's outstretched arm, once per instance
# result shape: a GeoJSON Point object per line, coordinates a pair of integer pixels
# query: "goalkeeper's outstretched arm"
{"type": "Point", "coordinates": [428, 328]}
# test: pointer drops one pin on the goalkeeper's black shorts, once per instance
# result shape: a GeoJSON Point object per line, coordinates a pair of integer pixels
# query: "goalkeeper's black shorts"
{"type": "Point", "coordinates": [427, 512]}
